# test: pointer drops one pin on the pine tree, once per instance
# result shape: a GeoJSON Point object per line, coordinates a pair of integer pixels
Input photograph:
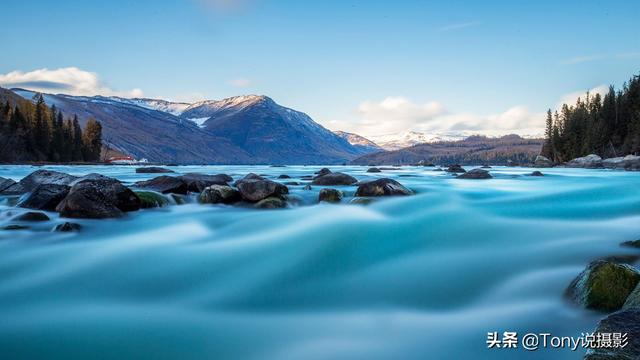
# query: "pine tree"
{"type": "Point", "coordinates": [92, 140]}
{"type": "Point", "coordinates": [76, 154]}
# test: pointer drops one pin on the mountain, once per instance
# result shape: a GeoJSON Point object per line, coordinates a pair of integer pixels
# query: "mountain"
{"type": "Point", "coordinates": [410, 138]}
{"type": "Point", "coordinates": [173, 108]}
{"type": "Point", "coordinates": [147, 133]}
{"type": "Point", "coordinates": [473, 150]}
{"type": "Point", "coordinates": [261, 127]}
{"type": "Point", "coordinates": [366, 145]}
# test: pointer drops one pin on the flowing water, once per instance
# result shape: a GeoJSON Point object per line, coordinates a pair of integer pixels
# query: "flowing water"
{"type": "Point", "coordinates": [425, 276]}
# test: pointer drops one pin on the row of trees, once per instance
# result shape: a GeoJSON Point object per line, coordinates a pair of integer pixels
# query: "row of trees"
{"type": "Point", "coordinates": [32, 131]}
{"type": "Point", "coordinates": [608, 126]}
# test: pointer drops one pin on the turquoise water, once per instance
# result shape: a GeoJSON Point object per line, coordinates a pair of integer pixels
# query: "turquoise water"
{"type": "Point", "coordinates": [415, 277]}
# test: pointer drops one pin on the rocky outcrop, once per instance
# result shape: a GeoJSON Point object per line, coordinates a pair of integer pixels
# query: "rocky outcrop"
{"type": "Point", "coordinates": [153, 170]}
{"type": "Point", "coordinates": [164, 184]}
{"type": "Point", "coordinates": [332, 179]}
{"type": "Point", "coordinates": [604, 285]}
{"type": "Point", "coordinates": [542, 162]}
{"type": "Point", "coordinates": [97, 199]}
{"type": "Point", "coordinates": [219, 194]}
{"type": "Point", "coordinates": [32, 216]}
{"type": "Point", "coordinates": [382, 187]}
{"type": "Point", "coordinates": [46, 177]}
{"type": "Point", "coordinates": [622, 322]}
{"type": "Point", "coordinates": [589, 162]}
{"type": "Point", "coordinates": [254, 188]}
{"type": "Point", "coordinates": [6, 184]}
{"type": "Point", "coordinates": [44, 197]}
{"type": "Point", "coordinates": [475, 174]}
{"type": "Point", "coordinates": [455, 169]}
{"type": "Point", "coordinates": [330, 195]}
{"type": "Point", "coordinates": [629, 162]}
{"type": "Point", "coordinates": [198, 182]}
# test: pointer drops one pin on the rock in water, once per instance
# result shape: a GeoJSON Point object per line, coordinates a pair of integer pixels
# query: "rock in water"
{"type": "Point", "coordinates": [271, 203]}
{"type": "Point", "coordinates": [455, 169]}
{"type": "Point", "coordinates": [6, 184]}
{"type": "Point", "coordinates": [284, 176]}
{"type": "Point", "coordinates": [590, 162]}
{"type": "Point", "coordinates": [536, 173]}
{"type": "Point", "coordinates": [334, 179]}
{"type": "Point", "coordinates": [624, 322]}
{"type": "Point", "coordinates": [32, 216]}
{"type": "Point", "coordinates": [330, 195]}
{"type": "Point", "coordinates": [373, 170]}
{"type": "Point", "coordinates": [153, 170]}
{"type": "Point", "coordinates": [603, 285]}
{"type": "Point", "coordinates": [475, 174]}
{"type": "Point", "coordinates": [542, 161]}
{"type": "Point", "coordinates": [97, 199]}
{"type": "Point", "coordinates": [151, 199]}
{"type": "Point", "coordinates": [40, 177]}
{"type": "Point", "coordinates": [629, 162]}
{"type": "Point", "coordinates": [219, 194]}
{"type": "Point", "coordinates": [382, 187]}
{"type": "Point", "coordinates": [322, 172]}
{"type": "Point", "coordinates": [254, 188]}
{"type": "Point", "coordinates": [198, 182]}
{"type": "Point", "coordinates": [44, 197]}
{"type": "Point", "coordinates": [164, 184]}
{"type": "Point", "coordinates": [67, 227]}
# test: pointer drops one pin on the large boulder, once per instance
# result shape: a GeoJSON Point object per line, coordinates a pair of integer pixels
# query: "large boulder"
{"type": "Point", "coordinates": [46, 177]}
{"type": "Point", "coordinates": [629, 162]}
{"type": "Point", "coordinates": [475, 174]}
{"type": "Point", "coordinates": [382, 187]}
{"type": "Point", "coordinates": [254, 188]}
{"type": "Point", "coordinates": [219, 194]}
{"type": "Point", "coordinates": [591, 161]}
{"type": "Point", "coordinates": [322, 172]}
{"type": "Point", "coordinates": [626, 323]}
{"type": "Point", "coordinates": [330, 195]}
{"type": "Point", "coordinates": [604, 285]}
{"type": "Point", "coordinates": [44, 197]}
{"type": "Point", "coordinates": [455, 169]}
{"type": "Point", "coordinates": [97, 199]}
{"type": "Point", "coordinates": [153, 170]}
{"type": "Point", "coordinates": [271, 203]}
{"type": "Point", "coordinates": [32, 216]}
{"type": "Point", "coordinates": [6, 184]}
{"type": "Point", "coordinates": [198, 182]}
{"type": "Point", "coordinates": [337, 178]}
{"type": "Point", "coordinates": [164, 184]}
{"type": "Point", "coordinates": [542, 161]}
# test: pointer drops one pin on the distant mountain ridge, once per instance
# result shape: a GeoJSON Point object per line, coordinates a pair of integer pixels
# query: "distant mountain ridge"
{"type": "Point", "coordinates": [359, 141]}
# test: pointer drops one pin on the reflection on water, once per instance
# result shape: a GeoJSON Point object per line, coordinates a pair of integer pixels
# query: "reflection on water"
{"type": "Point", "coordinates": [419, 277]}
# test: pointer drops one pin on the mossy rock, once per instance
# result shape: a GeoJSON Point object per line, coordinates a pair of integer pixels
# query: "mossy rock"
{"type": "Point", "coordinates": [271, 203]}
{"type": "Point", "coordinates": [179, 199]}
{"type": "Point", "coordinates": [330, 195]}
{"type": "Point", "coordinates": [150, 199]}
{"type": "Point", "coordinates": [604, 285]}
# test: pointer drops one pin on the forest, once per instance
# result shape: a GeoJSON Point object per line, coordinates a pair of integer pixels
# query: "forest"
{"type": "Point", "coordinates": [35, 132]}
{"type": "Point", "coordinates": [608, 126]}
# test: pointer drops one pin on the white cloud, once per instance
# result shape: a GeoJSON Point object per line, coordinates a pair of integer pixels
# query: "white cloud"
{"type": "Point", "coordinates": [571, 98]}
{"type": "Point", "coordinates": [70, 80]}
{"type": "Point", "coordinates": [240, 82]}
{"type": "Point", "coordinates": [459, 26]}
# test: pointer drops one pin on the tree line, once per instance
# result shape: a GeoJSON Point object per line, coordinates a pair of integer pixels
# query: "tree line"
{"type": "Point", "coordinates": [608, 126]}
{"type": "Point", "coordinates": [32, 131]}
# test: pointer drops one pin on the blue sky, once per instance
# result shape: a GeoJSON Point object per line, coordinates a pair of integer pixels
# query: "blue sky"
{"type": "Point", "coordinates": [368, 66]}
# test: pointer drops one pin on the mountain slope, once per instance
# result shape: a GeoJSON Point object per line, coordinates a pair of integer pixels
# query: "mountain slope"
{"type": "Point", "coordinates": [147, 133]}
{"type": "Point", "coordinates": [472, 150]}
{"type": "Point", "coordinates": [410, 138]}
{"type": "Point", "coordinates": [365, 145]}
{"type": "Point", "coordinates": [265, 129]}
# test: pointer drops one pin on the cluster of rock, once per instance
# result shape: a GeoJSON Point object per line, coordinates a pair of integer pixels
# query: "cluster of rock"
{"type": "Point", "coordinates": [592, 161]}
{"type": "Point", "coordinates": [614, 288]}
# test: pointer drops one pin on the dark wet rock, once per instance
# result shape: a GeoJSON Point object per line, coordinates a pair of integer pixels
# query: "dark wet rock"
{"type": "Point", "coordinates": [5, 184]}
{"type": "Point", "coordinates": [373, 170]}
{"type": "Point", "coordinates": [622, 258]}
{"type": "Point", "coordinates": [44, 197]}
{"type": "Point", "coordinates": [536, 173]}
{"type": "Point", "coordinates": [361, 201]}
{"type": "Point", "coordinates": [475, 174]}
{"type": "Point", "coordinates": [307, 187]}
{"type": "Point", "coordinates": [40, 177]}
{"type": "Point", "coordinates": [632, 243]}
{"type": "Point", "coordinates": [97, 199]}
{"type": "Point", "coordinates": [153, 170]}
{"type": "Point", "coordinates": [31, 216]}
{"type": "Point", "coordinates": [164, 184]}
{"type": "Point", "coordinates": [198, 182]}
{"type": "Point", "coordinates": [542, 161]}
{"type": "Point", "coordinates": [151, 199]}
{"type": "Point", "coordinates": [257, 188]}
{"type": "Point", "coordinates": [306, 177]}
{"type": "Point", "coordinates": [438, 169]}
{"type": "Point", "coordinates": [334, 179]}
{"type": "Point", "coordinates": [179, 199]}
{"type": "Point", "coordinates": [322, 172]}
{"type": "Point", "coordinates": [249, 176]}
{"type": "Point", "coordinates": [485, 167]}
{"type": "Point", "coordinates": [455, 169]}
{"type": "Point", "coordinates": [382, 187]}
{"type": "Point", "coordinates": [633, 300]}
{"type": "Point", "coordinates": [292, 183]}
{"type": "Point", "coordinates": [284, 176]}
{"type": "Point", "coordinates": [591, 161]}
{"type": "Point", "coordinates": [67, 227]}
{"type": "Point", "coordinates": [330, 195]}
{"type": "Point", "coordinates": [219, 194]}
{"type": "Point", "coordinates": [92, 176]}
{"type": "Point", "coordinates": [15, 227]}
{"type": "Point", "coordinates": [626, 321]}
{"type": "Point", "coordinates": [271, 203]}
{"type": "Point", "coordinates": [603, 285]}
{"type": "Point", "coordinates": [278, 166]}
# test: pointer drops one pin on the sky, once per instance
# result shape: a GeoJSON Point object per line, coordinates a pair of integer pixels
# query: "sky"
{"type": "Point", "coordinates": [371, 67]}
